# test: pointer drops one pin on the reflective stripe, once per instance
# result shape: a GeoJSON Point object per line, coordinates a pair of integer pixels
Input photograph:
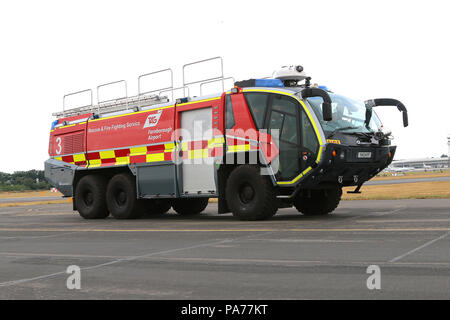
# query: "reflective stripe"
{"type": "Point", "coordinates": [296, 178]}
{"type": "Point", "coordinates": [239, 148]}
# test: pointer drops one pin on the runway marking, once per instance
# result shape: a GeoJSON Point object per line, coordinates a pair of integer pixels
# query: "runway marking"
{"type": "Point", "coordinates": [200, 259]}
{"type": "Point", "coordinates": [19, 281]}
{"type": "Point", "coordinates": [419, 248]}
{"type": "Point", "coordinates": [403, 220]}
{"type": "Point", "coordinates": [229, 230]}
{"type": "Point", "coordinates": [383, 213]}
{"type": "Point", "coordinates": [201, 245]}
{"type": "Point", "coordinates": [65, 255]}
{"type": "Point", "coordinates": [307, 240]}
{"type": "Point", "coordinates": [38, 237]}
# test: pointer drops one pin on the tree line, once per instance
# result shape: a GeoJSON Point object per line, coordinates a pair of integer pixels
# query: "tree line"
{"type": "Point", "coordinates": [23, 181]}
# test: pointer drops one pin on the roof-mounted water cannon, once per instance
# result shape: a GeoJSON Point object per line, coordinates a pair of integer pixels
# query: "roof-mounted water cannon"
{"type": "Point", "coordinates": [292, 75]}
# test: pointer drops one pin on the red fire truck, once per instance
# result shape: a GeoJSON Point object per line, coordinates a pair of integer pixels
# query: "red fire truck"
{"type": "Point", "coordinates": [265, 144]}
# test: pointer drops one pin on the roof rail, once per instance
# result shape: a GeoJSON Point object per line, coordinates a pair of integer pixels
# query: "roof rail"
{"type": "Point", "coordinates": [76, 93]}
{"type": "Point", "coordinates": [126, 102]}
{"type": "Point", "coordinates": [165, 89]}
{"type": "Point", "coordinates": [218, 78]}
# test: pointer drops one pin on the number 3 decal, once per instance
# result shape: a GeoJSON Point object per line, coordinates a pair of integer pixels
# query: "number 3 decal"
{"type": "Point", "coordinates": [58, 145]}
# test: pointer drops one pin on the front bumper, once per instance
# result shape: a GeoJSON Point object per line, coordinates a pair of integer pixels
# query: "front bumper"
{"type": "Point", "coordinates": [350, 169]}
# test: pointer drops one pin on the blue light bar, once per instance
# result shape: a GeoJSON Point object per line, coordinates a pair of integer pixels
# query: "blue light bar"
{"type": "Point", "coordinates": [54, 123]}
{"type": "Point", "coordinates": [268, 83]}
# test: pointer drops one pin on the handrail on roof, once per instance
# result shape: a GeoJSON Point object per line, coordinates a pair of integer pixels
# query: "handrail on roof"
{"type": "Point", "coordinates": [220, 77]}
{"type": "Point", "coordinates": [109, 100]}
{"type": "Point", "coordinates": [126, 100]}
{"type": "Point", "coordinates": [216, 80]}
{"type": "Point", "coordinates": [76, 93]}
{"type": "Point", "coordinates": [166, 89]}
{"type": "Point", "coordinates": [185, 88]}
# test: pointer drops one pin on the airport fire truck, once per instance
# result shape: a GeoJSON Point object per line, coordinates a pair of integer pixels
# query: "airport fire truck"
{"type": "Point", "coordinates": [265, 144]}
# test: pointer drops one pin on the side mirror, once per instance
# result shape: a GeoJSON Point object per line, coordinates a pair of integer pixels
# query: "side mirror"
{"type": "Point", "coordinates": [327, 111]}
{"type": "Point", "coordinates": [386, 102]}
{"type": "Point", "coordinates": [405, 118]}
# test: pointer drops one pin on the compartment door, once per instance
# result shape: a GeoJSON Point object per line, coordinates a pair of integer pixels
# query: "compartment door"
{"type": "Point", "coordinates": [197, 167]}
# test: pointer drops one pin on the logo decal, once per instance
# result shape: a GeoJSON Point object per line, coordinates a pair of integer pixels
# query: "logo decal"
{"type": "Point", "coordinates": [153, 119]}
{"type": "Point", "coordinates": [334, 141]}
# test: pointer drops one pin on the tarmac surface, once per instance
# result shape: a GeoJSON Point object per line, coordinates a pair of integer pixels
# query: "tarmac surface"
{"type": "Point", "coordinates": [412, 180]}
{"type": "Point", "coordinates": [29, 199]}
{"type": "Point", "coordinates": [371, 182]}
{"type": "Point", "coordinates": [214, 256]}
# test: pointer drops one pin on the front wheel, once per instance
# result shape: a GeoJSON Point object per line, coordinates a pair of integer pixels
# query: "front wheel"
{"type": "Point", "coordinates": [250, 195]}
{"type": "Point", "coordinates": [318, 202]}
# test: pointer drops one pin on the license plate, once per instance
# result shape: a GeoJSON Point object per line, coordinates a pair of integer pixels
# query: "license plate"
{"type": "Point", "coordinates": [364, 155]}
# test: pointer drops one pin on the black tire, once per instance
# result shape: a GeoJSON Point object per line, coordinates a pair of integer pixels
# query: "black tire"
{"type": "Point", "coordinates": [250, 195]}
{"type": "Point", "coordinates": [90, 197]}
{"type": "Point", "coordinates": [156, 206]}
{"type": "Point", "coordinates": [121, 197]}
{"type": "Point", "coordinates": [318, 202]}
{"type": "Point", "coordinates": [189, 207]}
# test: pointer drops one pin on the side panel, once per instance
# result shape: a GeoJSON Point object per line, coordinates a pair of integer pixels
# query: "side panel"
{"type": "Point", "coordinates": [139, 137]}
{"type": "Point", "coordinates": [156, 180]}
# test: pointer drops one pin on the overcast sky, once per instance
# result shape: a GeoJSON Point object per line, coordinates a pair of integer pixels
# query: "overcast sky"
{"type": "Point", "coordinates": [362, 49]}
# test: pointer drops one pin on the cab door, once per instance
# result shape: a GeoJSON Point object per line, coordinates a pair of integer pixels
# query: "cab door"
{"type": "Point", "coordinates": [283, 124]}
{"type": "Point", "coordinates": [297, 141]}
{"type": "Point", "coordinates": [287, 122]}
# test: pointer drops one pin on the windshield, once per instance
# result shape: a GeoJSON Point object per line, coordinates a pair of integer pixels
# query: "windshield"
{"type": "Point", "coordinates": [348, 115]}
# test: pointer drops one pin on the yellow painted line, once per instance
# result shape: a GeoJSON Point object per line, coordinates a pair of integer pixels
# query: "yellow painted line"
{"type": "Point", "coordinates": [229, 230]}
{"type": "Point", "coordinates": [33, 203]}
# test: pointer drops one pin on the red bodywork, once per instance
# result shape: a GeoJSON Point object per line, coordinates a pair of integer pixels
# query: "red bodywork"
{"type": "Point", "coordinates": [147, 136]}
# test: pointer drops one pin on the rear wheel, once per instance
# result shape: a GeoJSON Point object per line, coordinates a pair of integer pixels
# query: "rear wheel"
{"type": "Point", "coordinates": [318, 202]}
{"type": "Point", "coordinates": [90, 197]}
{"type": "Point", "coordinates": [156, 206]}
{"type": "Point", "coordinates": [121, 197]}
{"type": "Point", "coordinates": [189, 207]}
{"type": "Point", "coordinates": [250, 195]}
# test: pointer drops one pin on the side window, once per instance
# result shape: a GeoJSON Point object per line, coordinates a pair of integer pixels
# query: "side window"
{"type": "Point", "coordinates": [284, 117]}
{"type": "Point", "coordinates": [229, 115]}
{"type": "Point", "coordinates": [257, 102]}
{"type": "Point", "coordinates": [284, 104]}
{"type": "Point", "coordinates": [308, 135]}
